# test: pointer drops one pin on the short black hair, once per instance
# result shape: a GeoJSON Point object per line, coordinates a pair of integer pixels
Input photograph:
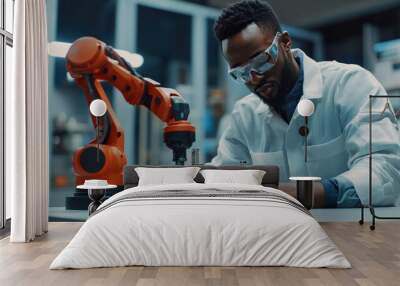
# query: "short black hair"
{"type": "Point", "coordinates": [238, 16]}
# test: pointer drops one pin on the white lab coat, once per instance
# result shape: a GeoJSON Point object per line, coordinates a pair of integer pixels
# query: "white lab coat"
{"type": "Point", "coordinates": [338, 141]}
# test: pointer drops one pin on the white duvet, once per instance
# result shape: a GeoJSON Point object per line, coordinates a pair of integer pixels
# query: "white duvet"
{"type": "Point", "coordinates": [200, 231]}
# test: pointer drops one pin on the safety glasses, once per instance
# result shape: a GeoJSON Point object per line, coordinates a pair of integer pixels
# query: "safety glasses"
{"type": "Point", "coordinates": [260, 64]}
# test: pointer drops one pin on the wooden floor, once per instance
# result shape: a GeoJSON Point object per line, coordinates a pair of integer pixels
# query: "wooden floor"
{"type": "Point", "coordinates": [375, 257]}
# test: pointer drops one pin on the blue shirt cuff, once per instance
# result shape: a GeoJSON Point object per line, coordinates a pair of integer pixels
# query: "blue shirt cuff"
{"type": "Point", "coordinates": [347, 195]}
{"type": "Point", "coordinates": [331, 192]}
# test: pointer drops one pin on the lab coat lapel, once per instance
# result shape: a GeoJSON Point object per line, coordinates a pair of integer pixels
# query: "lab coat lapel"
{"type": "Point", "coordinates": [312, 89]}
{"type": "Point", "coordinates": [312, 84]}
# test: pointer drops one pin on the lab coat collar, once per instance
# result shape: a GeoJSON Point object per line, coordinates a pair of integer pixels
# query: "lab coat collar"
{"type": "Point", "coordinates": [312, 85]}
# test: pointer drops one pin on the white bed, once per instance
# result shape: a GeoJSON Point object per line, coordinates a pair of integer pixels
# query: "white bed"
{"type": "Point", "coordinates": [265, 229]}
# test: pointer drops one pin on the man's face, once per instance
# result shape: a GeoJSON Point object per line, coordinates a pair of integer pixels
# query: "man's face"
{"type": "Point", "coordinates": [247, 44]}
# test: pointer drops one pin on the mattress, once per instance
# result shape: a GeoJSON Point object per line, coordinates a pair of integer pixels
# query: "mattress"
{"type": "Point", "coordinates": [201, 225]}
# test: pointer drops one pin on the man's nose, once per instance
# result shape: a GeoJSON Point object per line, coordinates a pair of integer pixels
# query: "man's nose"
{"type": "Point", "coordinates": [255, 78]}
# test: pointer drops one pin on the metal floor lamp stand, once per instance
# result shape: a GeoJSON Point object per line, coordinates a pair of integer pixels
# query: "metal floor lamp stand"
{"type": "Point", "coordinates": [370, 206]}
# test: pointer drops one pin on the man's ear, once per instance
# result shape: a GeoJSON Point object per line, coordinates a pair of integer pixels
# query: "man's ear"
{"type": "Point", "coordinates": [286, 40]}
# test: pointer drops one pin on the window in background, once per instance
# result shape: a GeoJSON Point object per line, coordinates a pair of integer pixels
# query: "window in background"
{"type": "Point", "coordinates": [216, 112]}
{"type": "Point", "coordinates": [306, 46]}
{"type": "Point", "coordinates": [343, 42]}
{"type": "Point", "coordinates": [165, 45]}
{"type": "Point", "coordinates": [70, 126]}
{"type": "Point", "coordinates": [352, 41]}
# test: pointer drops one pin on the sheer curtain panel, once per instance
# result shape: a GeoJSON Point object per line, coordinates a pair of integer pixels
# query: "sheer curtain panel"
{"type": "Point", "coordinates": [27, 124]}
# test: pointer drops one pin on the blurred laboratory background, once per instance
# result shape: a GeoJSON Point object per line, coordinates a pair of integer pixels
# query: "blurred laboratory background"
{"type": "Point", "coordinates": [177, 42]}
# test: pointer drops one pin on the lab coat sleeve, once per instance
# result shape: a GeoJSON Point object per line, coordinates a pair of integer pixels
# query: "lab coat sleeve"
{"type": "Point", "coordinates": [352, 100]}
{"type": "Point", "coordinates": [232, 147]}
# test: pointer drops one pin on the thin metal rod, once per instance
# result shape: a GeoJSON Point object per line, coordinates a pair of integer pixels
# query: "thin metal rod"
{"type": "Point", "coordinates": [97, 138]}
{"type": "Point", "coordinates": [371, 208]}
{"type": "Point", "coordinates": [370, 152]}
{"type": "Point", "coordinates": [382, 217]}
{"type": "Point", "coordinates": [362, 214]}
{"type": "Point", "coordinates": [384, 96]}
{"type": "Point", "coordinates": [305, 137]}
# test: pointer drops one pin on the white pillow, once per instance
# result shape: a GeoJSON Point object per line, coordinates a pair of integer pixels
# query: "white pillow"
{"type": "Point", "coordinates": [248, 177]}
{"type": "Point", "coordinates": [166, 176]}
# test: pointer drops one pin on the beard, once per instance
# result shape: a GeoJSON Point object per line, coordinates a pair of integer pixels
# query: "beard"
{"type": "Point", "coordinates": [274, 94]}
{"type": "Point", "coordinates": [281, 88]}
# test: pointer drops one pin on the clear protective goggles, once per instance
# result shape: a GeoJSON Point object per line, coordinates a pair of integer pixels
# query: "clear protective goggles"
{"type": "Point", "coordinates": [260, 64]}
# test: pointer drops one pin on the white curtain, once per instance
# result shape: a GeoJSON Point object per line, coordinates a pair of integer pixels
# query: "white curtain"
{"type": "Point", "coordinates": [27, 125]}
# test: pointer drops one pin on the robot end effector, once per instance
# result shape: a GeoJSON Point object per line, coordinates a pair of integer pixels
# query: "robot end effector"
{"type": "Point", "coordinates": [179, 134]}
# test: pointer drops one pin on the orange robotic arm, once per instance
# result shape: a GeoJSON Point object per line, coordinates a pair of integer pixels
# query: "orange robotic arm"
{"type": "Point", "coordinates": [90, 61]}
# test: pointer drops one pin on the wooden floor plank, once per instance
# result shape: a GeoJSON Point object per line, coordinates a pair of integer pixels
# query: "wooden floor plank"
{"type": "Point", "coordinates": [374, 255]}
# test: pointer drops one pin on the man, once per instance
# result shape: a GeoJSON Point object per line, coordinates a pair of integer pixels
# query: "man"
{"type": "Point", "coordinates": [264, 126]}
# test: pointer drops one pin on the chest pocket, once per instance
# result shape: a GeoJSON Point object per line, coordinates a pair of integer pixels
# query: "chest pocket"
{"type": "Point", "coordinates": [328, 159]}
{"type": "Point", "coordinates": [271, 158]}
